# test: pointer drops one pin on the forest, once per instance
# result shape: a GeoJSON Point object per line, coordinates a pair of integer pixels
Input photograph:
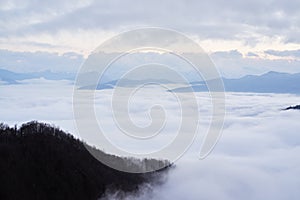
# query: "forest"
{"type": "Point", "coordinates": [41, 161]}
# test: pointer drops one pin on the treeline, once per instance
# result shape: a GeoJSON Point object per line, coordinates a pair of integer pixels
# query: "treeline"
{"type": "Point", "coordinates": [40, 161]}
{"type": "Point", "coordinates": [297, 107]}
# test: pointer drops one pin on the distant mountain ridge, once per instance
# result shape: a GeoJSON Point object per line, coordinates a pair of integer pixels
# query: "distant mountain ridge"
{"type": "Point", "coordinates": [271, 82]}
{"type": "Point", "coordinates": [10, 77]}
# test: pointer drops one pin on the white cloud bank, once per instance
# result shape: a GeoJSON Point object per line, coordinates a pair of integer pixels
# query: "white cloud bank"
{"type": "Point", "coordinates": [257, 156]}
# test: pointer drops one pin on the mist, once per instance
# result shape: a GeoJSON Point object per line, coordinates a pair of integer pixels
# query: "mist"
{"type": "Point", "coordinates": [257, 156]}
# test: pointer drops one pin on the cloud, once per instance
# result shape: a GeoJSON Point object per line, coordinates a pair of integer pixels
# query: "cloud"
{"type": "Point", "coordinates": [251, 54]}
{"type": "Point", "coordinates": [257, 156]}
{"type": "Point", "coordinates": [248, 21]}
{"type": "Point", "coordinates": [286, 53]}
{"type": "Point", "coordinates": [38, 99]}
{"type": "Point", "coordinates": [232, 64]}
{"type": "Point", "coordinates": [253, 160]}
{"type": "Point", "coordinates": [40, 61]}
{"type": "Point", "coordinates": [261, 27]}
{"type": "Point", "coordinates": [233, 54]}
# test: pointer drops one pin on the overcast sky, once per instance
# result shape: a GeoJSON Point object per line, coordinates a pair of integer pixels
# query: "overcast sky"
{"type": "Point", "coordinates": [242, 37]}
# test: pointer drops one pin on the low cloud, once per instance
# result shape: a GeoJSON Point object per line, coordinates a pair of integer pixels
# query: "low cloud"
{"type": "Point", "coordinates": [256, 157]}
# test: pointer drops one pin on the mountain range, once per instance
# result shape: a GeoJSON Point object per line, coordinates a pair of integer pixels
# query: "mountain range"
{"type": "Point", "coordinates": [271, 82]}
{"type": "Point", "coordinates": [9, 77]}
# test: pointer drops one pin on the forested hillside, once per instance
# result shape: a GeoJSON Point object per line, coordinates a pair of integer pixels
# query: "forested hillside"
{"type": "Point", "coordinates": [39, 161]}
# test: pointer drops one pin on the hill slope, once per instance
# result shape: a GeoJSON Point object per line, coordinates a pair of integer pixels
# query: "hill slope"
{"type": "Point", "coordinates": [39, 161]}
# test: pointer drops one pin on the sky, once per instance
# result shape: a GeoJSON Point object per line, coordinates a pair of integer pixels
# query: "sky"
{"type": "Point", "coordinates": [255, 157]}
{"type": "Point", "coordinates": [242, 37]}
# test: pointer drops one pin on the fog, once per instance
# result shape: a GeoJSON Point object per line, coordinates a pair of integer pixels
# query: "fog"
{"type": "Point", "coordinates": [257, 156]}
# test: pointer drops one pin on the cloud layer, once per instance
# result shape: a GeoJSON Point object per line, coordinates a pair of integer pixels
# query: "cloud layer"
{"type": "Point", "coordinates": [213, 19]}
{"type": "Point", "coordinates": [39, 61]}
{"type": "Point", "coordinates": [81, 25]}
{"type": "Point", "coordinates": [231, 64]}
{"type": "Point", "coordinates": [256, 157]}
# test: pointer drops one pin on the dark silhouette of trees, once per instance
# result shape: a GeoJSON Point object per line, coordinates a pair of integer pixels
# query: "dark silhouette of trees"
{"type": "Point", "coordinates": [40, 161]}
{"type": "Point", "coordinates": [297, 107]}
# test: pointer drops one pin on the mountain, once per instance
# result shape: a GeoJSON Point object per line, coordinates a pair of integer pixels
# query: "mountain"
{"type": "Point", "coordinates": [126, 83]}
{"type": "Point", "coordinates": [297, 107]}
{"type": "Point", "coordinates": [12, 77]}
{"type": "Point", "coordinates": [39, 161]}
{"type": "Point", "coordinates": [271, 82]}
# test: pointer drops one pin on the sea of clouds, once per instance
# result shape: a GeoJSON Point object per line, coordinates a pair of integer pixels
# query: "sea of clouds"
{"type": "Point", "coordinates": [257, 156]}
